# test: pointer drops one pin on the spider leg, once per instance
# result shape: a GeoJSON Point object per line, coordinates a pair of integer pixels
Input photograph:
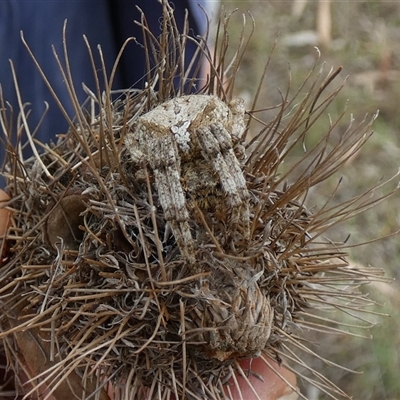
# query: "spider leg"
{"type": "Point", "coordinates": [165, 162]}
{"type": "Point", "coordinates": [216, 144]}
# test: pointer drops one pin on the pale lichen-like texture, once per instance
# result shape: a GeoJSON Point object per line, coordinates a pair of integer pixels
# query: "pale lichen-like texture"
{"type": "Point", "coordinates": [157, 243]}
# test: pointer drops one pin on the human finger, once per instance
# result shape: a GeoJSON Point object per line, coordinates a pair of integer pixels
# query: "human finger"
{"type": "Point", "coordinates": [5, 221]}
{"type": "Point", "coordinates": [267, 384]}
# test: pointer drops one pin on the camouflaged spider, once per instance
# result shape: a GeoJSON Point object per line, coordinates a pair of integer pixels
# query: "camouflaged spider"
{"type": "Point", "coordinates": [191, 139]}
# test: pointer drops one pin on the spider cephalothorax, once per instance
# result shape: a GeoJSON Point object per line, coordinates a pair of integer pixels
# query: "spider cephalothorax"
{"type": "Point", "coordinates": [189, 143]}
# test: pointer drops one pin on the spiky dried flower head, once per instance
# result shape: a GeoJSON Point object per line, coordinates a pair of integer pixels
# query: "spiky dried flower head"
{"type": "Point", "coordinates": [157, 242]}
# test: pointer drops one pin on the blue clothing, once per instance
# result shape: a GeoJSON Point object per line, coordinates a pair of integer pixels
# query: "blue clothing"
{"type": "Point", "coordinates": [105, 22]}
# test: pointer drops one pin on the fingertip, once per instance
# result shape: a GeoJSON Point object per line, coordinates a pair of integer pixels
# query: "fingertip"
{"type": "Point", "coordinates": [5, 222]}
{"type": "Point", "coordinates": [268, 385]}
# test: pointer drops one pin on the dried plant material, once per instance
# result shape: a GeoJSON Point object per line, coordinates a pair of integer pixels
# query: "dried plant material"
{"type": "Point", "coordinates": [38, 361]}
{"type": "Point", "coordinates": [64, 222]}
{"type": "Point", "coordinates": [5, 222]}
{"type": "Point", "coordinates": [155, 243]}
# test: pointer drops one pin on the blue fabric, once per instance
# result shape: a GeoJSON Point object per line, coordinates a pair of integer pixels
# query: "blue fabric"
{"type": "Point", "coordinates": [104, 22]}
{"type": "Point", "coordinates": [42, 23]}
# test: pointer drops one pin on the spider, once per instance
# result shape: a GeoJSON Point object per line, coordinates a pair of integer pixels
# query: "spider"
{"type": "Point", "coordinates": [189, 143]}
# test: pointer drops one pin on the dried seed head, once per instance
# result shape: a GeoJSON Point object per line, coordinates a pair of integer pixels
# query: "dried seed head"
{"type": "Point", "coordinates": [162, 270]}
